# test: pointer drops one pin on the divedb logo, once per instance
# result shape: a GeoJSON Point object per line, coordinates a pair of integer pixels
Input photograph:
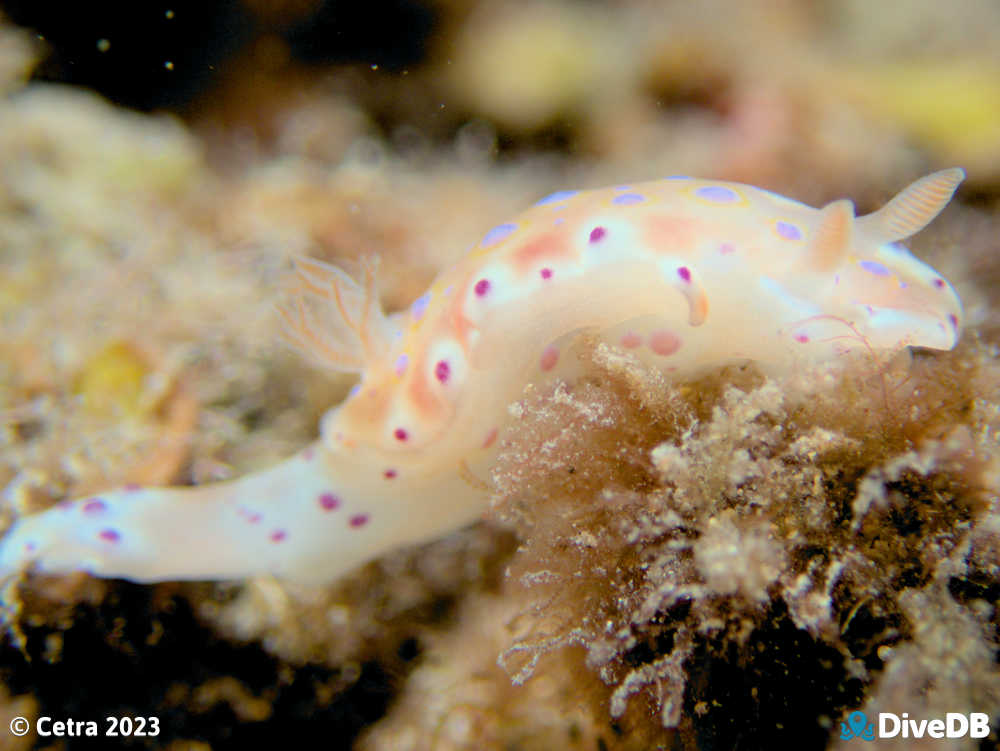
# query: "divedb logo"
{"type": "Point", "coordinates": [891, 725]}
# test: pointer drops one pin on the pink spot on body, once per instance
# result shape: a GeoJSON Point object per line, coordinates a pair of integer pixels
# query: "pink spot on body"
{"type": "Point", "coordinates": [664, 342]}
{"type": "Point", "coordinates": [953, 320]}
{"type": "Point", "coordinates": [726, 249]}
{"type": "Point", "coordinates": [442, 371]}
{"type": "Point", "coordinates": [684, 273]}
{"type": "Point", "coordinates": [109, 535]}
{"type": "Point", "coordinates": [359, 520]}
{"type": "Point", "coordinates": [939, 283]}
{"type": "Point", "coordinates": [482, 287]}
{"type": "Point", "coordinates": [251, 516]}
{"type": "Point", "coordinates": [546, 273]}
{"type": "Point", "coordinates": [549, 358]}
{"type": "Point", "coordinates": [329, 502]}
{"type": "Point", "coordinates": [597, 234]}
{"type": "Point", "coordinates": [801, 338]}
{"type": "Point", "coordinates": [631, 340]}
{"type": "Point", "coordinates": [278, 535]}
{"type": "Point", "coordinates": [400, 434]}
{"type": "Point", "coordinates": [389, 474]}
{"type": "Point", "coordinates": [95, 506]}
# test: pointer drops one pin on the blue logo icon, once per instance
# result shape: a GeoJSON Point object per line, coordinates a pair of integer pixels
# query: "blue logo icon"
{"type": "Point", "coordinates": [857, 726]}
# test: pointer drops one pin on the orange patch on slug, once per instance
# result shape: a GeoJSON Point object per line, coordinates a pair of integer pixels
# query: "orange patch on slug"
{"type": "Point", "coordinates": [490, 438]}
{"type": "Point", "coordinates": [664, 342]}
{"type": "Point", "coordinates": [669, 234]}
{"type": "Point", "coordinates": [631, 340]}
{"type": "Point", "coordinates": [457, 322]}
{"type": "Point", "coordinates": [543, 249]}
{"type": "Point", "coordinates": [368, 409]}
{"type": "Point", "coordinates": [420, 394]}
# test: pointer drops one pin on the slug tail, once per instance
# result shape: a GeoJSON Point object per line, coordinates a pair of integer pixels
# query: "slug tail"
{"type": "Point", "coordinates": [286, 521]}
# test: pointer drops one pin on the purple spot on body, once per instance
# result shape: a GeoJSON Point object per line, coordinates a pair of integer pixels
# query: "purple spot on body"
{"type": "Point", "coordinates": [419, 306]}
{"type": "Point", "coordinates": [939, 283]}
{"type": "Point", "coordinates": [677, 177]}
{"type": "Point", "coordinates": [252, 517]}
{"type": "Point", "coordinates": [558, 221]}
{"type": "Point", "coordinates": [482, 287]}
{"type": "Point", "coordinates": [627, 199]}
{"type": "Point", "coordinates": [684, 273]}
{"type": "Point", "coordinates": [788, 231]}
{"type": "Point", "coordinates": [329, 502]}
{"type": "Point", "coordinates": [597, 234]}
{"type": "Point", "coordinates": [109, 535]}
{"type": "Point", "coordinates": [497, 234]}
{"type": "Point", "coordinates": [559, 195]}
{"type": "Point", "coordinates": [442, 370]}
{"type": "Point", "coordinates": [94, 506]}
{"type": "Point", "coordinates": [401, 362]}
{"type": "Point", "coordinates": [355, 389]}
{"type": "Point", "coordinates": [716, 193]}
{"type": "Point", "coordinates": [875, 268]}
{"type": "Point", "coordinates": [546, 273]}
{"type": "Point", "coordinates": [902, 284]}
{"type": "Point", "coordinates": [953, 320]}
{"type": "Point", "coordinates": [359, 520]}
{"type": "Point", "coordinates": [401, 435]}
{"type": "Point", "coordinates": [278, 535]}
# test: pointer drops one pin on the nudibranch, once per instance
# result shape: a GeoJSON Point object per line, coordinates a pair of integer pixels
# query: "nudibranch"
{"type": "Point", "coordinates": [683, 273]}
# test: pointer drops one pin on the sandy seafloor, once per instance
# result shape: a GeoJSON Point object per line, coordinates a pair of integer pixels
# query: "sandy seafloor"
{"type": "Point", "coordinates": [731, 561]}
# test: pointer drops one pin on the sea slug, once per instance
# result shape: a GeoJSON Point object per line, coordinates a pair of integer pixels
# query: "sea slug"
{"type": "Point", "coordinates": [684, 273]}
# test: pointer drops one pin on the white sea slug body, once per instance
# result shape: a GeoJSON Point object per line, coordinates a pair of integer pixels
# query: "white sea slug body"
{"type": "Point", "coordinates": [683, 273]}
